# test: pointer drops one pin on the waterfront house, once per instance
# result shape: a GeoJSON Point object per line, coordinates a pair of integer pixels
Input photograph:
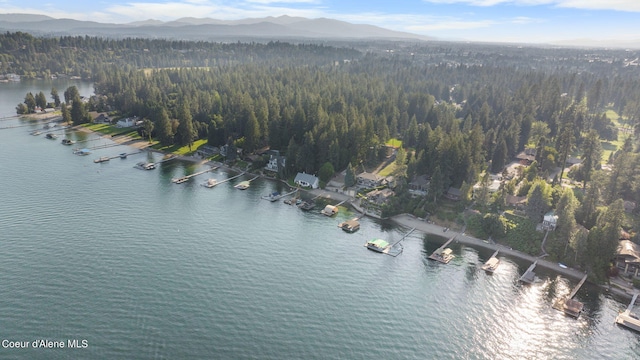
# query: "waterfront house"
{"type": "Point", "coordinates": [550, 221]}
{"type": "Point", "coordinates": [369, 180]}
{"type": "Point", "coordinates": [628, 257]}
{"type": "Point", "coordinates": [307, 180]}
{"type": "Point", "coordinates": [125, 123]}
{"type": "Point", "coordinates": [276, 163]}
{"type": "Point", "coordinates": [100, 118]}
{"type": "Point", "coordinates": [380, 197]}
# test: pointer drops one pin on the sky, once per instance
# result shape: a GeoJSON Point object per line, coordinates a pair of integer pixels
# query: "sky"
{"type": "Point", "coordinates": [519, 21]}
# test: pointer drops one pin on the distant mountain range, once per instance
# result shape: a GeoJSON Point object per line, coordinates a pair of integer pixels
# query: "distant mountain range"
{"type": "Point", "coordinates": [282, 27]}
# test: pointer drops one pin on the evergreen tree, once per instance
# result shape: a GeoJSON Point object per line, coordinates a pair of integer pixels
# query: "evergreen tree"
{"type": "Point", "coordinates": [41, 100]}
{"type": "Point", "coordinates": [66, 115]}
{"type": "Point", "coordinates": [326, 172]}
{"type": "Point", "coordinates": [30, 102]}
{"type": "Point", "coordinates": [79, 114]}
{"type": "Point", "coordinates": [349, 177]}
{"type": "Point", "coordinates": [185, 131]}
{"type": "Point", "coordinates": [55, 97]}
{"type": "Point", "coordinates": [538, 201]}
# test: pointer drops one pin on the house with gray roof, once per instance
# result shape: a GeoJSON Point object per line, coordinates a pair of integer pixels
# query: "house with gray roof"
{"type": "Point", "coordinates": [307, 180]}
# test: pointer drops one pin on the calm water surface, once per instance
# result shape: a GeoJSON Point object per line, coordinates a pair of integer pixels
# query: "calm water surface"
{"type": "Point", "coordinates": [142, 268]}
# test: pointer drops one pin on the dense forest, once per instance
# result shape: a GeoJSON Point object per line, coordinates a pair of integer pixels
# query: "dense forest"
{"type": "Point", "coordinates": [462, 111]}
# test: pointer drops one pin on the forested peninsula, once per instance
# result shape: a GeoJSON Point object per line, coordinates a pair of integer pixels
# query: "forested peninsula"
{"type": "Point", "coordinates": [458, 116]}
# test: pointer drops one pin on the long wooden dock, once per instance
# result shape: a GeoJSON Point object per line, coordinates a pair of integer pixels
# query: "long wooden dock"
{"type": "Point", "coordinates": [529, 276]}
{"type": "Point", "coordinates": [107, 158]}
{"type": "Point", "coordinates": [628, 318]}
{"type": "Point", "coordinates": [568, 305]}
{"type": "Point", "coordinates": [225, 180]}
{"type": "Point", "coordinates": [443, 254]}
{"type": "Point", "coordinates": [185, 178]}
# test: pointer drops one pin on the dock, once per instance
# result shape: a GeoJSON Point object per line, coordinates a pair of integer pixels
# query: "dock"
{"type": "Point", "coordinates": [627, 318]}
{"type": "Point", "coordinates": [350, 226]}
{"type": "Point", "coordinates": [244, 185]}
{"type": "Point", "coordinates": [277, 196]}
{"type": "Point", "coordinates": [529, 276]}
{"type": "Point", "coordinates": [568, 305]}
{"type": "Point", "coordinates": [492, 264]}
{"type": "Point", "coordinates": [443, 254]}
{"type": "Point", "coordinates": [225, 180]}
{"type": "Point", "coordinates": [186, 178]}
{"type": "Point", "coordinates": [107, 158]}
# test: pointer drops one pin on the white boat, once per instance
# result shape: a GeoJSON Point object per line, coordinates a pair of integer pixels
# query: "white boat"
{"type": "Point", "coordinates": [243, 185]}
{"type": "Point", "coordinates": [81, 152]}
{"type": "Point", "coordinates": [210, 183]}
{"type": "Point", "coordinates": [562, 265]}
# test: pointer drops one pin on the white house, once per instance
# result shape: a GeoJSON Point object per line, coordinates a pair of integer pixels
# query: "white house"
{"type": "Point", "coordinates": [307, 180]}
{"type": "Point", "coordinates": [276, 163]}
{"type": "Point", "coordinates": [125, 123]}
{"type": "Point", "coordinates": [550, 221]}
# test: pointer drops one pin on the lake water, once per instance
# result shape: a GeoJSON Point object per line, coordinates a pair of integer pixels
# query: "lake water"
{"type": "Point", "coordinates": [142, 268]}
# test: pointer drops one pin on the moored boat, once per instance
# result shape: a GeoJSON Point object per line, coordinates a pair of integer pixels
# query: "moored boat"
{"type": "Point", "coordinates": [68, 142]}
{"type": "Point", "coordinates": [307, 205]}
{"type": "Point", "coordinates": [145, 166]}
{"type": "Point", "coordinates": [491, 265]}
{"type": "Point", "coordinates": [378, 245]}
{"type": "Point", "coordinates": [123, 155]}
{"type": "Point", "coordinates": [211, 183]}
{"type": "Point", "coordinates": [81, 152]}
{"type": "Point", "coordinates": [243, 185]}
{"type": "Point", "coordinates": [101, 159]}
{"type": "Point", "coordinates": [51, 136]}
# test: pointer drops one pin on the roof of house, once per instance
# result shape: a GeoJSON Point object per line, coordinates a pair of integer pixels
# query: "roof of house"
{"type": "Point", "coordinates": [515, 200]}
{"type": "Point", "coordinates": [304, 177]}
{"type": "Point", "coordinates": [369, 176]}
{"type": "Point", "coordinates": [421, 180]}
{"type": "Point", "coordinates": [628, 248]}
{"type": "Point", "coordinates": [454, 191]}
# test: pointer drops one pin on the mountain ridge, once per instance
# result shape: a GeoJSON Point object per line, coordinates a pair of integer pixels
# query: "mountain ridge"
{"type": "Point", "coordinates": [191, 28]}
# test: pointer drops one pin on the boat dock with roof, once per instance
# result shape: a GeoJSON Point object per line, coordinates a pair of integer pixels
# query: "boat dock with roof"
{"type": "Point", "coordinates": [492, 264]}
{"type": "Point", "coordinates": [443, 254]}
{"type": "Point", "coordinates": [568, 305]}
{"type": "Point", "coordinates": [350, 226]}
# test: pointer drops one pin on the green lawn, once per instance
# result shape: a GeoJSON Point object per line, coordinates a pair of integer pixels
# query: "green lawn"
{"type": "Point", "coordinates": [396, 143]}
{"type": "Point", "coordinates": [388, 170]}
{"type": "Point", "coordinates": [181, 150]}
{"type": "Point", "coordinates": [611, 146]}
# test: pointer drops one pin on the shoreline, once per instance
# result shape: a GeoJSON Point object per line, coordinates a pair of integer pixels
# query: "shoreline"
{"type": "Point", "coordinates": [413, 222]}
{"type": "Point", "coordinates": [406, 220]}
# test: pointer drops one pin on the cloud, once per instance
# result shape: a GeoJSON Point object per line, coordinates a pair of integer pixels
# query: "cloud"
{"type": "Point", "coordinates": [618, 5]}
